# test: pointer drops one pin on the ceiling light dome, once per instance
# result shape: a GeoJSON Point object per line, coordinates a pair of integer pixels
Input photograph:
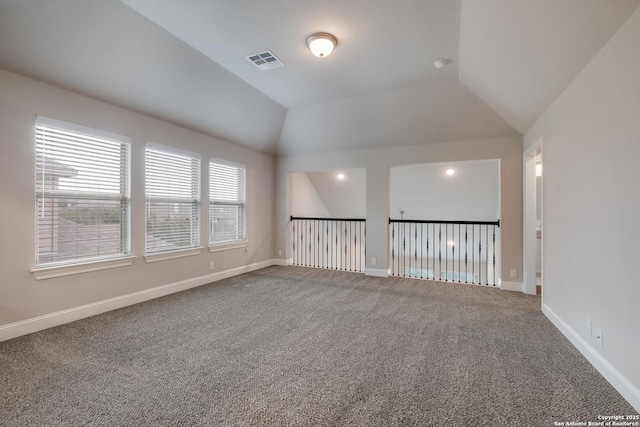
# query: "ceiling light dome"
{"type": "Point", "coordinates": [321, 44]}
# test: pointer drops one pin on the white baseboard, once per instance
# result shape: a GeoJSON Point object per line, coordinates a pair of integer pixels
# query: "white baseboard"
{"type": "Point", "coordinates": [35, 324]}
{"type": "Point", "coordinates": [630, 392]}
{"type": "Point", "coordinates": [281, 262]}
{"type": "Point", "coordinates": [511, 286]}
{"type": "Point", "coordinates": [376, 272]}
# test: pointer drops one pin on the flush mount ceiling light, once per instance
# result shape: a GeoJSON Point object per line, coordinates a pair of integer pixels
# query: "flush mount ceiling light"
{"type": "Point", "coordinates": [451, 172]}
{"type": "Point", "coordinates": [440, 62]}
{"type": "Point", "coordinates": [321, 44]}
{"type": "Point", "coordinates": [340, 176]}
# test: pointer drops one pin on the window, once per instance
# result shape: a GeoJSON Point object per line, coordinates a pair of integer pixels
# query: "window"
{"type": "Point", "coordinates": [227, 202]}
{"type": "Point", "coordinates": [173, 199]}
{"type": "Point", "coordinates": [82, 194]}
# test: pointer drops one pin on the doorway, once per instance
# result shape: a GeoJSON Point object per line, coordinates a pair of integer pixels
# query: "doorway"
{"type": "Point", "coordinates": [533, 220]}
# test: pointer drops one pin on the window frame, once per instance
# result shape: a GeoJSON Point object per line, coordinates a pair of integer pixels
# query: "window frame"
{"type": "Point", "coordinates": [220, 245]}
{"type": "Point", "coordinates": [181, 251]}
{"type": "Point", "coordinates": [82, 263]}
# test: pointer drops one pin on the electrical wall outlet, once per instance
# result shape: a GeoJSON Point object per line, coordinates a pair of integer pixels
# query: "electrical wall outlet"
{"type": "Point", "coordinates": [514, 273]}
{"type": "Point", "coordinates": [588, 328]}
{"type": "Point", "coordinates": [279, 252]}
{"type": "Point", "coordinates": [599, 337]}
{"type": "Point", "coordinates": [373, 261]}
{"type": "Point", "coordinates": [211, 265]}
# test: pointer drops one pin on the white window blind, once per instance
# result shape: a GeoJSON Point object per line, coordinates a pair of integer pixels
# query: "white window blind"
{"type": "Point", "coordinates": [82, 194]}
{"type": "Point", "coordinates": [173, 199]}
{"type": "Point", "coordinates": [227, 203]}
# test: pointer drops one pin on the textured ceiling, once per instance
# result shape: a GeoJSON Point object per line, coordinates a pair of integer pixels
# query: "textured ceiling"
{"type": "Point", "coordinates": [105, 50]}
{"type": "Point", "coordinates": [381, 46]}
{"type": "Point", "coordinates": [518, 56]}
{"type": "Point", "coordinates": [183, 61]}
{"type": "Point", "coordinates": [437, 112]}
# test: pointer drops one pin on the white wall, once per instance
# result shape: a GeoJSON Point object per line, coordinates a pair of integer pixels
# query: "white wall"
{"type": "Point", "coordinates": [306, 201]}
{"type": "Point", "coordinates": [444, 110]}
{"type": "Point", "coordinates": [21, 295]}
{"type": "Point", "coordinates": [425, 191]}
{"type": "Point", "coordinates": [591, 208]}
{"type": "Point", "coordinates": [377, 163]}
{"type": "Point", "coordinates": [343, 198]}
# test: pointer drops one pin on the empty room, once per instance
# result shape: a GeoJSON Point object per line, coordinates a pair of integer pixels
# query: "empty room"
{"type": "Point", "coordinates": [319, 213]}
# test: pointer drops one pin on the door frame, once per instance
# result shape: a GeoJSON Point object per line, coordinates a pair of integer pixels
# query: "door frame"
{"type": "Point", "coordinates": [529, 217]}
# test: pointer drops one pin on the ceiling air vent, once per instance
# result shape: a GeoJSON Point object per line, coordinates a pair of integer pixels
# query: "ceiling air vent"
{"type": "Point", "coordinates": [265, 60]}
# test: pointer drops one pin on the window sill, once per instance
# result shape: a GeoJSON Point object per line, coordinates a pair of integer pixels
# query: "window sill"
{"type": "Point", "coordinates": [67, 270]}
{"type": "Point", "coordinates": [162, 256]}
{"type": "Point", "coordinates": [228, 246]}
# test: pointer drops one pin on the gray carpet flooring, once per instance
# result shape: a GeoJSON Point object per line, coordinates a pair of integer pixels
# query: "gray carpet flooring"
{"type": "Point", "coordinates": [293, 346]}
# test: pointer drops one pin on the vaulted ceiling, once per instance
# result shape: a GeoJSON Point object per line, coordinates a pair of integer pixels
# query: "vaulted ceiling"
{"type": "Point", "coordinates": [184, 62]}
